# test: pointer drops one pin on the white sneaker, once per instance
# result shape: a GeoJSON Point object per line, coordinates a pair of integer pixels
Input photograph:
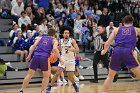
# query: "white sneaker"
{"type": "Point", "coordinates": [52, 76]}
{"type": "Point", "coordinates": [64, 81]}
{"type": "Point", "coordinates": [76, 79]}
{"type": "Point", "coordinates": [81, 78]}
{"type": "Point", "coordinates": [59, 81]}
{"type": "Point", "coordinates": [81, 67]}
{"type": "Point", "coordinates": [100, 66]}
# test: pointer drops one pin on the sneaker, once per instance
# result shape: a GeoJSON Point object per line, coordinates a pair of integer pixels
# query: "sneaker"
{"type": "Point", "coordinates": [81, 67]}
{"type": "Point", "coordinates": [76, 79]}
{"type": "Point", "coordinates": [81, 77]}
{"type": "Point", "coordinates": [21, 91]}
{"type": "Point", "coordinates": [59, 81]}
{"type": "Point", "coordinates": [64, 81]}
{"type": "Point", "coordinates": [48, 89]}
{"type": "Point", "coordinates": [51, 76]}
{"type": "Point", "coordinates": [115, 78]}
{"type": "Point", "coordinates": [76, 87]}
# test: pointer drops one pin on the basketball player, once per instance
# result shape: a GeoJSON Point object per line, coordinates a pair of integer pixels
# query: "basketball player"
{"type": "Point", "coordinates": [42, 49]}
{"type": "Point", "coordinates": [68, 47]}
{"type": "Point", "coordinates": [125, 42]}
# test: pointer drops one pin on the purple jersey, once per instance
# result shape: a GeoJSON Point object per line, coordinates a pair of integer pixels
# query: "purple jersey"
{"type": "Point", "coordinates": [126, 37]}
{"type": "Point", "coordinates": [44, 46]}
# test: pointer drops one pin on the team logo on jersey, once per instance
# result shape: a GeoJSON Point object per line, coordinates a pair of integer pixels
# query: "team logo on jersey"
{"type": "Point", "coordinates": [126, 31]}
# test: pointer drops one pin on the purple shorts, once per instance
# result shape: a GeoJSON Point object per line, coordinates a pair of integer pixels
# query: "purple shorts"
{"type": "Point", "coordinates": [123, 56]}
{"type": "Point", "coordinates": [40, 62]}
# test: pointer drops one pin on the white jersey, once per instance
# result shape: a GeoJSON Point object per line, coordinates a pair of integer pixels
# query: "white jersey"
{"type": "Point", "coordinates": [65, 54]}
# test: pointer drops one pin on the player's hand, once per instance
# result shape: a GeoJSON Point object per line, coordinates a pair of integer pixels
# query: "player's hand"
{"type": "Point", "coordinates": [28, 58]}
{"type": "Point", "coordinates": [103, 52]}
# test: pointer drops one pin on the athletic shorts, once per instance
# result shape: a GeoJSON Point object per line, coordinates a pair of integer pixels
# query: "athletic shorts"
{"type": "Point", "coordinates": [69, 65]}
{"type": "Point", "coordinates": [123, 56]}
{"type": "Point", "coordinates": [40, 62]}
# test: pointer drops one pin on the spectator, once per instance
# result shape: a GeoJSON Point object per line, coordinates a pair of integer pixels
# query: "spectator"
{"type": "Point", "coordinates": [53, 24]}
{"type": "Point", "coordinates": [6, 6]}
{"type": "Point", "coordinates": [36, 30]}
{"type": "Point", "coordinates": [19, 46]}
{"type": "Point", "coordinates": [59, 9]}
{"type": "Point", "coordinates": [23, 29]}
{"type": "Point", "coordinates": [29, 41]}
{"type": "Point", "coordinates": [29, 13]}
{"type": "Point", "coordinates": [29, 3]}
{"type": "Point", "coordinates": [24, 19]}
{"type": "Point", "coordinates": [13, 34]}
{"type": "Point", "coordinates": [78, 25]}
{"type": "Point", "coordinates": [111, 25]}
{"type": "Point", "coordinates": [39, 15]}
{"type": "Point", "coordinates": [13, 2]}
{"type": "Point", "coordinates": [43, 26]}
{"type": "Point", "coordinates": [17, 8]}
{"type": "Point", "coordinates": [104, 18]}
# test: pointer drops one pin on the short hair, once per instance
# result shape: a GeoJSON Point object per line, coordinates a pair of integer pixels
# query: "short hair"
{"type": "Point", "coordinates": [51, 32]}
{"type": "Point", "coordinates": [23, 12]}
{"type": "Point", "coordinates": [128, 19]}
{"type": "Point", "coordinates": [101, 26]}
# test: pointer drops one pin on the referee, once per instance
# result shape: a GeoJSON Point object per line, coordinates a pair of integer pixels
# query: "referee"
{"type": "Point", "coordinates": [99, 41]}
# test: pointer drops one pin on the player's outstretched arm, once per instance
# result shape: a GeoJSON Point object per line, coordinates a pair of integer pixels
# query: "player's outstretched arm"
{"type": "Point", "coordinates": [75, 49]}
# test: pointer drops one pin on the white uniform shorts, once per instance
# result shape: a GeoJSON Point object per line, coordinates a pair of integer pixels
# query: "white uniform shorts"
{"type": "Point", "coordinates": [69, 65]}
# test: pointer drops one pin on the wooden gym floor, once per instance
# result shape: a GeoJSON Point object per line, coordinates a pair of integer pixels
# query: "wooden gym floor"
{"type": "Point", "coordinates": [121, 86]}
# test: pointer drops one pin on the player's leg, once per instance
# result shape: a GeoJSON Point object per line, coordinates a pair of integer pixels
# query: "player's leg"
{"type": "Point", "coordinates": [45, 79]}
{"type": "Point", "coordinates": [70, 68]}
{"type": "Point", "coordinates": [136, 71]}
{"type": "Point", "coordinates": [114, 67]}
{"type": "Point", "coordinates": [109, 80]}
{"type": "Point", "coordinates": [63, 78]}
{"type": "Point", "coordinates": [105, 61]}
{"type": "Point", "coordinates": [57, 74]}
{"type": "Point", "coordinates": [55, 77]}
{"type": "Point", "coordinates": [33, 66]}
{"type": "Point", "coordinates": [27, 79]}
{"type": "Point", "coordinates": [133, 63]}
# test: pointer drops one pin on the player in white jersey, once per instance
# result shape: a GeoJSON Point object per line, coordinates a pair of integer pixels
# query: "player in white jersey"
{"type": "Point", "coordinates": [68, 47]}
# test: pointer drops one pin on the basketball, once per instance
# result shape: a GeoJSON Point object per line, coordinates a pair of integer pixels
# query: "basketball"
{"type": "Point", "coordinates": [53, 58]}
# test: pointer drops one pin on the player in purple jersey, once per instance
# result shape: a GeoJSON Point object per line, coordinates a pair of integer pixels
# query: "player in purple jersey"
{"type": "Point", "coordinates": [42, 48]}
{"type": "Point", "coordinates": [125, 42]}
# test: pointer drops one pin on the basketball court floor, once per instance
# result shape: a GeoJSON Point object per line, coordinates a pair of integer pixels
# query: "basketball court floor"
{"type": "Point", "coordinates": [121, 86]}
